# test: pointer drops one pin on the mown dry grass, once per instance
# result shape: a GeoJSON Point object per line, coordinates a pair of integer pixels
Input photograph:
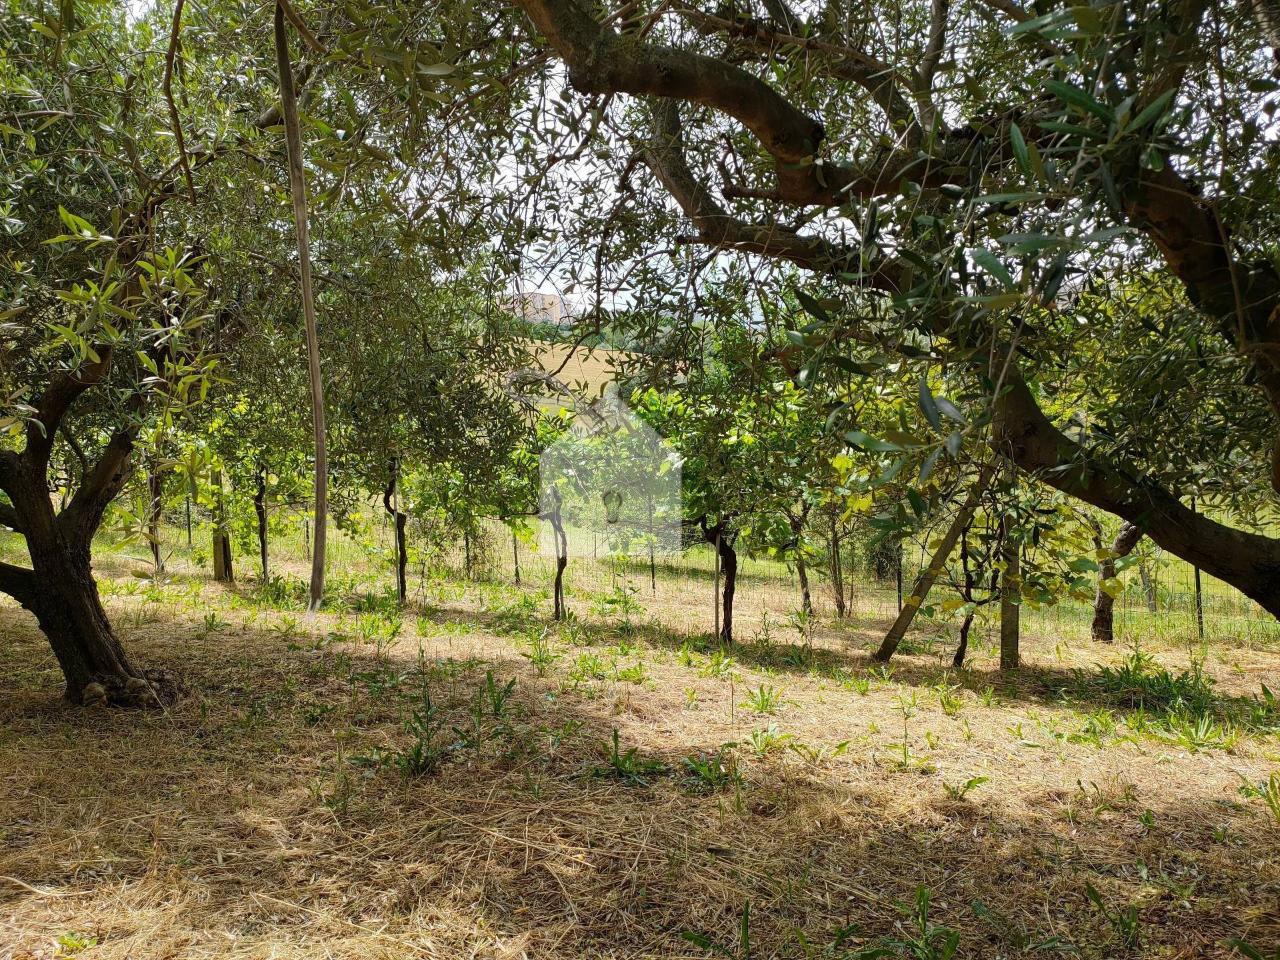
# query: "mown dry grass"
{"type": "Point", "coordinates": [255, 821]}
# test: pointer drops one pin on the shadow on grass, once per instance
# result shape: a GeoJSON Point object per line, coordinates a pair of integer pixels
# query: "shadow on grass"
{"type": "Point", "coordinates": [266, 811]}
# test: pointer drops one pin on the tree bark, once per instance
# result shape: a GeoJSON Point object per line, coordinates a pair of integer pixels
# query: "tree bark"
{"type": "Point", "coordinates": [796, 522]}
{"type": "Point", "coordinates": [1010, 600]}
{"type": "Point", "coordinates": [298, 191]}
{"type": "Point", "coordinates": [390, 501]}
{"type": "Point", "coordinates": [562, 556]}
{"type": "Point", "coordinates": [937, 564]}
{"type": "Point", "coordinates": [962, 648]}
{"type": "Point", "coordinates": [1103, 629]}
{"type": "Point", "coordinates": [260, 509]}
{"type": "Point", "coordinates": [837, 570]}
{"type": "Point", "coordinates": [155, 510]}
{"type": "Point", "coordinates": [802, 574]}
{"type": "Point", "coordinates": [223, 569]}
{"type": "Point", "coordinates": [59, 589]}
{"type": "Point", "coordinates": [515, 554]}
{"type": "Point", "coordinates": [727, 566]}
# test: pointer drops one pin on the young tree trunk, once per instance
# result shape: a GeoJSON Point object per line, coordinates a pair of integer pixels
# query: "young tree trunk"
{"type": "Point", "coordinates": [897, 573]}
{"type": "Point", "coordinates": [466, 552]}
{"type": "Point", "coordinates": [401, 519]}
{"type": "Point", "coordinates": [729, 564]}
{"type": "Point", "coordinates": [223, 571]}
{"type": "Point", "coordinates": [155, 510]}
{"type": "Point", "coordinates": [562, 556]}
{"type": "Point", "coordinates": [937, 564]}
{"type": "Point", "coordinates": [298, 191]}
{"type": "Point", "coordinates": [1010, 602]}
{"type": "Point", "coordinates": [837, 570]}
{"type": "Point", "coordinates": [967, 592]}
{"type": "Point", "coordinates": [802, 574]}
{"type": "Point", "coordinates": [1103, 629]}
{"type": "Point", "coordinates": [515, 554]}
{"type": "Point", "coordinates": [726, 566]}
{"type": "Point", "coordinates": [796, 521]}
{"type": "Point", "coordinates": [260, 508]}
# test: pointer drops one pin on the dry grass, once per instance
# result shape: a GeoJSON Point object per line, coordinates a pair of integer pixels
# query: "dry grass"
{"type": "Point", "coordinates": [240, 825]}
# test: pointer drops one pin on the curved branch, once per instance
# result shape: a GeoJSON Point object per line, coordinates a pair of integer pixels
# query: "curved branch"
{"type": "Point", "coordinates": [600, 61]}
{"type": "Point", "coordinates": [1022, 432]}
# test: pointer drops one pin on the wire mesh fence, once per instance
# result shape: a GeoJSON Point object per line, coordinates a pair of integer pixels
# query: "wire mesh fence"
{"type": "Point", "coordinates": [1158, 599]}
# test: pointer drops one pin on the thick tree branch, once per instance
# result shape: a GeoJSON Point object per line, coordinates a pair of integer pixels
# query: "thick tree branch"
{"type": "Point", "coordinates": [600, 61]}
{"type": "Point", "coordinates": [879, 79]}
{"type": "Point", "coordinates": [1022, 432]}
{"type": "Point", "coordinates": [716, 227]}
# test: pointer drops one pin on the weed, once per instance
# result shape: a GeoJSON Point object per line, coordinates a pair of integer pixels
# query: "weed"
{"type": "Point", "coordinates": [1016, 935]}
{"type": "Point", "coordinates": [540, 654]}
{"type": "Point", "coordinates": [1125, 923]}
{"type": "Point", "coordinates": [426, 751]}
{"type": "Point", "coordinates": [819, 755]}
{"type": "Point", "coordinates": [764, 699]}
{"type": "Point", "coordinates": [1268, 791]}
{"type": "Point", "coordinates": [718, 665]}
{"type": "Point", "coordinates": [960, 791]}
{"type": "Point", "coordinates": [627, 765]}
{"type": "Point", "coordinates": [767, 741]}
{"type": "Point", "coordinates": [709, 772]}
{"type": "Point", "coordinates": [919, 938]}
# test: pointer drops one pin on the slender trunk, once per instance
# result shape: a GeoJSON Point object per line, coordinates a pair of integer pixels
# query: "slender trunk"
{"type": "Point", "coordinates": [797, 521]}
{"type": "Point", "coordinates": [837, 570]}
{"type": "Point", "coordinates": [967, 593]}
{"type": "Point", "coordinates": [897, 573]}
{"type": "Point", "coordinates": [935, 568]}
{"type": "Point", "coordinates": [653, 562]}
{"type": "Point", "coordinates": [1010, 601]}
{"type": "Point", "coordinates": [188, 498]}
{"type": "Point", "coordinates": [715, 588]}
{"type": "Point", "coordinates": [729, 563]}
{"type": "Point", "coordinates": [390, 499]}
{"type": "Point", "coordinates": [802, 574]}
{"type": "Point", "coordinates": [1199, 587]}
{"type": "Point", "coordinates": [1103, 629]}
{"type": "Point", "coordinates": [298, 191]}
{"type": "Point", "coordinates": [223, 571]}
{"type": "Point", "coordinates": [515, 554]}
{"type": "Point", "coordinates": [466, 552]}
{"type": "Point", "coordinates": [155, 510]}
{"type": "Point", "coordinates": [726, 565]}
{"type": "Point", "coordinates": [260, 508]}
{"type": "Point", "coordinates": [562, 556]}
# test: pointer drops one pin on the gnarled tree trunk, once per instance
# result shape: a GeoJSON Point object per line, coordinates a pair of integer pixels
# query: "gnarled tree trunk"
{"type": "Point", "coordinates": [1103, 629]}
{"type": "Point", "coordinates": [59, 589]}
{"type": "Point", "coordinates": [562, 555]}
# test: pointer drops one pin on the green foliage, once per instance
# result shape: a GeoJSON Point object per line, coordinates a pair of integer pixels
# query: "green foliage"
{"type": "Point", "coordinates": [1125, 921]}
{"type": "Point", "coordinates": [961, 791]}
{"type": "Point", "coordinates": [627, 765]}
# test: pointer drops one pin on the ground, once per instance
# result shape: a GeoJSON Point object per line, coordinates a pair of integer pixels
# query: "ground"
{"type": "Point", "coordinates": [445, 782]}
